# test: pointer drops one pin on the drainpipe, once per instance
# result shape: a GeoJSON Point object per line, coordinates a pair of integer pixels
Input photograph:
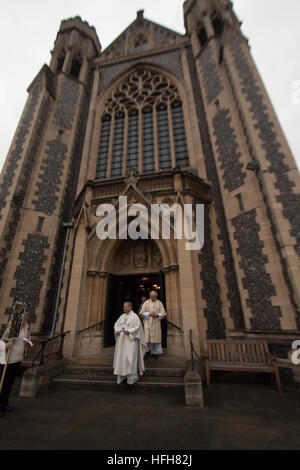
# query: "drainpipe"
{"type": "Point", "coordinates": [68, 225]}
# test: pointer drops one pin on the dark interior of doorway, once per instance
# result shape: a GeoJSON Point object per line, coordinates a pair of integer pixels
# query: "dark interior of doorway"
{"type": "Point", "coordinates": [133, 288]}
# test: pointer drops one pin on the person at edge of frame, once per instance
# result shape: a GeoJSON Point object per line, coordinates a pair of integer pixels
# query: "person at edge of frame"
{"type": "Point", "coordinates": [17, 347]}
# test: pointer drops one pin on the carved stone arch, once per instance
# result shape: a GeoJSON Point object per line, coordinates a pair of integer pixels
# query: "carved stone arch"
{"type": "Point", "coordinates": [126, 74]}
{"type": "Point", "coordinates": [143, 260]}
{"type": "Point", "coordinates": [101, 251]}
{"type": "Point", "coordinates": [141, 36]}
{"type": "Point", "coordinates": [103, 265]}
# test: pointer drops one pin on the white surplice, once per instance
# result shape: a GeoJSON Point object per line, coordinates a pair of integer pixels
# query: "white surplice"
{"type": "Point", "coordinates": [129, 349]}
{"type": "Point", "coordinates": [152, 325]}
{"type": "Point", "coordinates": [18, 349]}
{"type": "Point", "coordinates": [2, 352]}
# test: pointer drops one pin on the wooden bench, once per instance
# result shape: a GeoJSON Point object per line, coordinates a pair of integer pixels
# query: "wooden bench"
{"type": "Point", "coordinates": [233, 355]}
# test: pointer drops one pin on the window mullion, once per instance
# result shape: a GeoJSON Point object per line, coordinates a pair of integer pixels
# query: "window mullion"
{"type": "Point", "coordinates": [125, 146]}
{"type": "Point", "coordinates": [140, 141]}
{"type": "Point", "coordinates": [171, 135]}
{"type": "Point", "coordinates": [155, 139]}
{"type": "Point", "coordinates": [111, 142]}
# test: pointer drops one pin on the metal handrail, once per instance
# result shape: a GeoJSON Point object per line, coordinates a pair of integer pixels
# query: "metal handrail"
{"type": "Point", "coordinates": [89, 327]}
{"type": "Point", "coordinates": [44, 342]}
{"type": "Point", "coordinates": [175, 326]}
{"type": "Point", "coordinates": [193, 350]}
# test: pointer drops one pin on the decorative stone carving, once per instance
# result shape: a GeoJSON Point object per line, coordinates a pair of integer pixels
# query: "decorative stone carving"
{"type": "Point", "coordinates": [156, 256]}
{"type": "Point", "coordinates": [28, 273]}
{"type": "Point", "coordinates": [212, 83]}
{"type": "Point", "coordinates": [257, 280]}
{"type": "Point", "coordinates": [228, 149]}
{"type": "Point", "coordinates": [134, 255]}
{"type": "Point", "coordinates": [143, 87]}
{"type": "Point", "coordinates": [140, 254]}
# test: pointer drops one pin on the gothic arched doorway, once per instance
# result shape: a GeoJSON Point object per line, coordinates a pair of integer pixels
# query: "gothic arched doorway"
{"type": "Point", "coordinates": [135, 269]}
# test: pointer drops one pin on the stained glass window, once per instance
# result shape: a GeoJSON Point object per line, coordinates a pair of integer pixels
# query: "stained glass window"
{"type": "Point", "coordinates": [140, 108]}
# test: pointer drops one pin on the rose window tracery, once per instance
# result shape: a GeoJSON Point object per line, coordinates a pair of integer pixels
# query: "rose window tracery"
{"type": "Point", "coordinates": [142, 127]}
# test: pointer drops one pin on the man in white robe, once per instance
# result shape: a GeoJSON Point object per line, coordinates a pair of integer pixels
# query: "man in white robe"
{"type": "Point", "coordinates": [17, 347]}
{"type": "Point", "coordinates": [130, 346]}
{"type": "Point", "coordinates": [153, 312]}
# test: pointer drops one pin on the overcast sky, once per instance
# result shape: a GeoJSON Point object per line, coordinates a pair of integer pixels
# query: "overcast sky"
{"type": "Point", "coordinates": [28, 29]}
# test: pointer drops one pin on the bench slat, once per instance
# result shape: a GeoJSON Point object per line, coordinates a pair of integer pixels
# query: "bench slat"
{"type": "Point", "coordinates": [223, 352]}
{"type": "Point", "coordinates": [243, 355]}
{"type": "Point", "coordinates": [238, 366]}
{"type": "Point", "coordinates": [218, 355]}
{"type": "Point", "coordinates": [244, 348]}
{"type": "Point", "coordinates": [243, 352]}
{"type": "Point", "coordinates": [252, 346]}
{"type": "Point", "coordinates": [254, 353]}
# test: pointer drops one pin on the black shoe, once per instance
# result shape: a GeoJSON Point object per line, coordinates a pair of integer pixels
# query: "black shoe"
{"type": "Point", "coordinates": [2, 414]}
{"type": "Point", "coordinates": [9, 408]}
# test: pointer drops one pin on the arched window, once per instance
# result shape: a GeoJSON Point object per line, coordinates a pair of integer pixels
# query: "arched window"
{"type": "Point", "coordinates": [102, 160]}
{"type": "Point", "coordinates": [141, 44]}
{"type": "Point", "coordinates": [142, 127]}
{"type": "Point", "coordinates": [202, 35]}
{"type": "Point", "coordinates": [60, 61]}
{"type": "Point", "coordinates": [76, 66]}
{"type": "Point", "coordinates": [217, 23]}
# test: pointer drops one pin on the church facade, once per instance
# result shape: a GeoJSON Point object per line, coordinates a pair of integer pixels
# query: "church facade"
{"type": "Point", "coordinates": [158, 117]}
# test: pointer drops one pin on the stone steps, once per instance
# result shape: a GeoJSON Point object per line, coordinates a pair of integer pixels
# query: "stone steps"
{"type": "Point", "coordinates": [95, 371]}
{"type": "Point", "coordinates": [108, 361]}
{"type": "Point", "coordinates": [97, 374]}
{"type": "Point", "coordinates": [85, 382]}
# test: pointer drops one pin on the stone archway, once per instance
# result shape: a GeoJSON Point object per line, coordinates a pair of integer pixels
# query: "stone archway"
{"type": "Point", "coordinates": [134, 270]}
{"type": "Point", "coordinates": [136, 258]}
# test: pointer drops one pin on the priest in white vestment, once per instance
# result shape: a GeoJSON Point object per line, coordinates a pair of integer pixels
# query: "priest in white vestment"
{"type": "Point", "coordinates": [130, 346]}
{"type": "Point", "coordinates": [153, 312]}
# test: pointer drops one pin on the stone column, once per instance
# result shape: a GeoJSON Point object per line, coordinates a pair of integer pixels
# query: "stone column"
{"type": "Point", "coordinates": [76, 291]}
{"type": "Point", "coordinates": [188, 297]}
{"type": "Point", "coordinates": [89, 132]}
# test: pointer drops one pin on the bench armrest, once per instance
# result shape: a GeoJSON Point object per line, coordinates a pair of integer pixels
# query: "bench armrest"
{"type": "Point", "coordinates": [271, 357]}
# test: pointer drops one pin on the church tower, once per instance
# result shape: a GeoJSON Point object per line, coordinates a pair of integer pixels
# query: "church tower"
{"type": "Point", "coordinates": [254, 177]}
{"type": "Point", "coordinates": [157, 117]}
{"type": "Point", "coordinates": [38, 181]}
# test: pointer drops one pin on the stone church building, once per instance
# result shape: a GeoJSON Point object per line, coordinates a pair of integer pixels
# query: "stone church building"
{"type": "Point", "coordinates": [159, 117]}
